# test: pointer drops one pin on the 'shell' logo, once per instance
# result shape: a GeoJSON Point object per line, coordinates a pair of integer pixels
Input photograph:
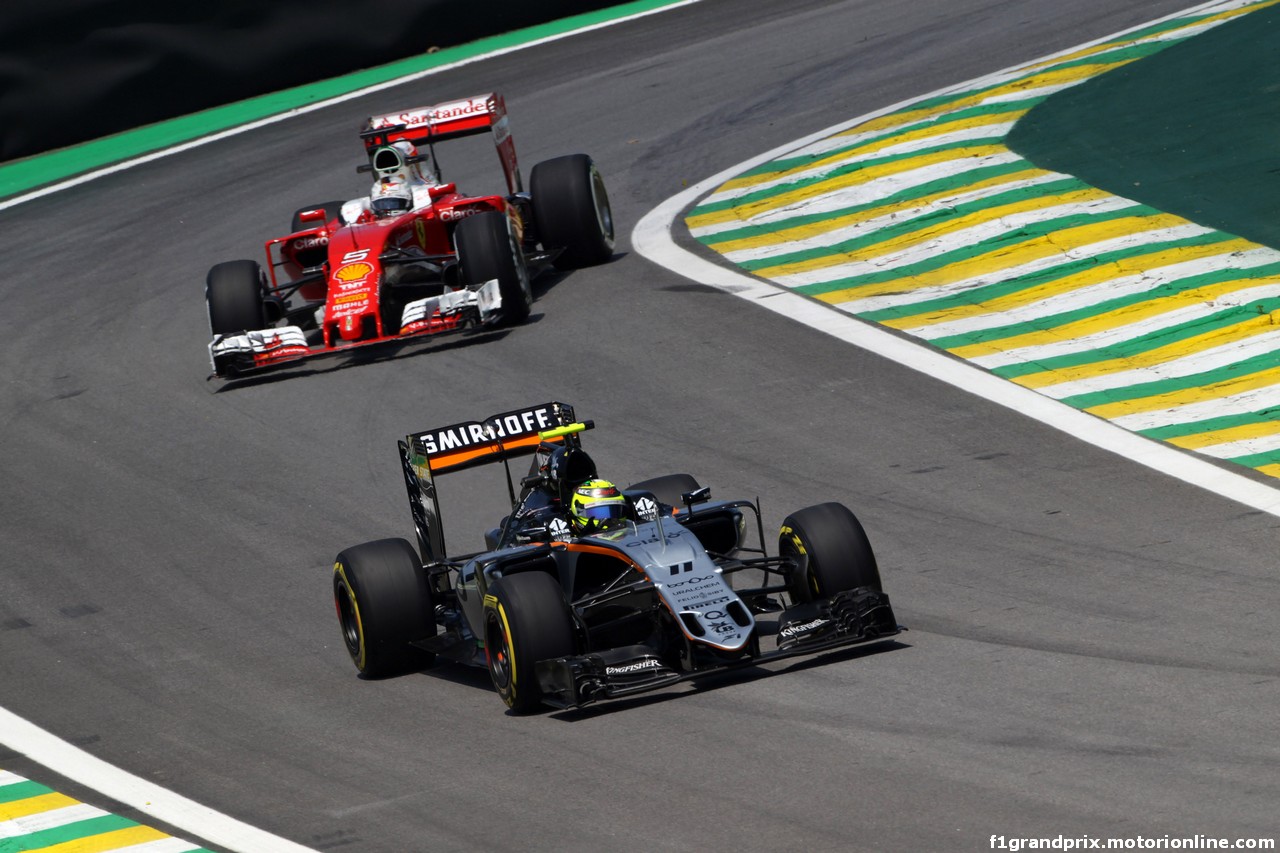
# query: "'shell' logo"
{"type": "Point", "coordinates": [353, 272]}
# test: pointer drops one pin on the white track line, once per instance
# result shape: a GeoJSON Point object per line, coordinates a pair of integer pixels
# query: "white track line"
{"type": "Point", "coordinates": [164, 805]}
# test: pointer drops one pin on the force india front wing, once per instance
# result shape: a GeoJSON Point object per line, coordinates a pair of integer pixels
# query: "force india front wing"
{"type": "Point", "coordinates": [711, 614]}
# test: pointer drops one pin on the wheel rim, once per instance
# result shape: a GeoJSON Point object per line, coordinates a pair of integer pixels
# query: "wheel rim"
{"type": "Point", "coordinates": [348, 621]}
{"type": "Point", "coordinates": [600, 199]}
{"type": "Point", "coordinates": [498, 652]}
{"type": "Point", "coordinates": [521, 269]}
{"type": "Point", "coordinates": [804, 579]}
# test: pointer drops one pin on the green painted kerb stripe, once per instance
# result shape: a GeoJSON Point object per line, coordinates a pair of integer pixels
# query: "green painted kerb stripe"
{"type": "Point", "coordinates": [22, 791]}
{"type": "Point", "coordinates": [20, 176]}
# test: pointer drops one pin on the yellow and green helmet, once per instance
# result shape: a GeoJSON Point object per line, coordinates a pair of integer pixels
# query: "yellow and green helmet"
{"type": "Point", "coordinates": [595, 503]}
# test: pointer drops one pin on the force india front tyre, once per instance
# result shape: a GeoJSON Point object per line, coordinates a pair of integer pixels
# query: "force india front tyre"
{"type": "Point", "coordinates": [487, 249]}
{"type": "Point", "coordinates": [526, 619]}
{"type": "Point", "coordinates": [571, 210]}
{"type": "Point", "coordinates": [384, 603]}
{"type": "Point", "coordinates": [830, 551]}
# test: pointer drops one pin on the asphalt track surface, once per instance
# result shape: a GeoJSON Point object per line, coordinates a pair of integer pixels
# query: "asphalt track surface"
{"type": "Point", "coordinates": [1092, 643]}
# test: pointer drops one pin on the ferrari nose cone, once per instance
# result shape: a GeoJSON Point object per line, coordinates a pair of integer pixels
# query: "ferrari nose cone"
{"type": "Point", "coordinates": [349, 328]}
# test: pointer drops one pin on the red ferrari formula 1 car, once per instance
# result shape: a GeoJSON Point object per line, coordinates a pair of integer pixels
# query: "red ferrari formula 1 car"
{"type": "Point", "coordinates": [415, 257]}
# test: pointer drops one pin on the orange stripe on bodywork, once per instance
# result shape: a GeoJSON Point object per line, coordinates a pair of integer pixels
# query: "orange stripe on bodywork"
{"type": "Point", "coordinates": [584, 548]}
{"type": "Point", "coordinates": [442, 462]}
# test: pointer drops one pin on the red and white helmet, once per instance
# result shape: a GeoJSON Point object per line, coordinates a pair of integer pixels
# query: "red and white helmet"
{"type": "Point", "coordinates": [390, 197]}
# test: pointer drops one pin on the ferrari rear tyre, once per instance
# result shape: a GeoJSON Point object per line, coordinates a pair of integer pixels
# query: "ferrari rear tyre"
{"type": "Point", "coordinates": [667, 489]}
{"type": "Point", "coordinates": [235, 293]}
{"type": "Point", "coordinates": [331, 211]}
{"type": "Point", "coordinates": [384, 603]}
{"type": "Point", "coordinates": [487, 249]}
{"type": "Point", "coordinates": [571, 210]}
{"type": "Point", "coordinates": [830, 550]}
{"type": "Point", "coordinates": [526, 619]}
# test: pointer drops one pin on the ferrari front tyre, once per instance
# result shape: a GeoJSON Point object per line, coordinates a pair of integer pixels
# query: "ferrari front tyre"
{"type": "Point", "coordinates": [488, 248]}
{"type": "Point", "coordinates": [331, 209]}
{"type": "Point", "coordinates": [830, 552]}
{"type": "Point", "coordinates": [526, 619]}
{"type": "Point", "coordinates": [667, 489]}
{"type": "Point", "coordinates": [571, 210]}
{"type": "Point", "coordinates": [235, 292]}
{"type": "Point", "coordinates": [384, 604]}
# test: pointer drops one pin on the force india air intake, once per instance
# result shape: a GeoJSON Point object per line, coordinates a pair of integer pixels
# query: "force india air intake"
{"type": "Point", "coordinates": [413, 258]}
{"type": "Point", "coordinates": [565, 616]}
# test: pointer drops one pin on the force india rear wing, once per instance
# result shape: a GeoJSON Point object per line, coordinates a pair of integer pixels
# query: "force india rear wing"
{"type": "Point", "coordinates": [451, 120]}
{"type": "Point", "coordinates": [466, 445]}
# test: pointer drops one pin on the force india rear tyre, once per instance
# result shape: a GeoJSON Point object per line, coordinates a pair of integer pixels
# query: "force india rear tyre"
{"type": "Point", "coordinates": [383, 603]}
{"type": "Point", "coordinates": [235, 292]}
{"type": "Point", "coordinates": [571, 210]}
{"type": "Point", "coordinates": [830, 550]}
{"type": "Point", "coordinates": [487, 249]}
{"type": "Point", "coordinates": [526, 619]}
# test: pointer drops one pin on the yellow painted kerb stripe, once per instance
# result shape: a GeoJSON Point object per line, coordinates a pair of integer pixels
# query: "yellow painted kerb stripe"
{"type": "Point", "coordinates": [120, 838]}
{"type": "Point", "coordinates": [822, 226]}
{"type": "Point", "coordinates": [1226, 436]}
{"type": "Point", "coordinates": [1136, 264]}
{"type": "Point", "coordinates": [34, 805]}
{"type": "Point", "coordinates": [745, 211]}
{"type": "Point", "coordinates": [1174, 399]}
{"type": "Point", "coordinates": [1129, 315]}
{"type": "Point", "coordinates": [839, 158]}
{"type": "Point", "coordinates": [938, 231]}
{"type": "Point", "coordinates": [1234, 334]}
{"type": "Point", "coordinates": [993, 264]}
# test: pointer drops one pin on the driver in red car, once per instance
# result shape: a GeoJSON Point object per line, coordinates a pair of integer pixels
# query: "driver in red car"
{"type": "Point", "coordinates": [400, 186]}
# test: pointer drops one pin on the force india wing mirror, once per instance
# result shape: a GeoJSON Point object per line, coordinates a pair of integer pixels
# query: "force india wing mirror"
{"type": "Point", "coordinates": [534, 533]}
{"type": "Point", "coordinates": [697, 496]}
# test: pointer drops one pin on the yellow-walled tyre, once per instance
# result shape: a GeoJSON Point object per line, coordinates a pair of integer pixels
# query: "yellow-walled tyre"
{"type": "Point", "coordinates": [383, 603]}
{"type": "Point", "coordinates": [526, 619]}
{"type": "Point", "coordinates": [830, 551]}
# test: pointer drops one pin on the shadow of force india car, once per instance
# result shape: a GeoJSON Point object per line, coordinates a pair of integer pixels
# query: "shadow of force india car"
{"type": "Point", "coordinates": [565, 619]}
{"type": "Point", "coordinates": [416, 257]}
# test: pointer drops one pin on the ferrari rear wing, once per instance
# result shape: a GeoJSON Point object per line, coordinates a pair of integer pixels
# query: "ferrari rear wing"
{"type": "Point", "coordinates": [466, 445]}
{"type": "Point", "coordinates": [451, 120]}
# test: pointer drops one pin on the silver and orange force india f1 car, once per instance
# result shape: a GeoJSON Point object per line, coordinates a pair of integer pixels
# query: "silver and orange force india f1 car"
{"type": "Point", "coordinates": [565, 620]}
{"type": "Point", "coordinates": [416, 257]}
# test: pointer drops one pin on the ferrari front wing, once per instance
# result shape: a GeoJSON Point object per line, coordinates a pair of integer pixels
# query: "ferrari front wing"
{"type": "Point", "coordinates": [454, 310]}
